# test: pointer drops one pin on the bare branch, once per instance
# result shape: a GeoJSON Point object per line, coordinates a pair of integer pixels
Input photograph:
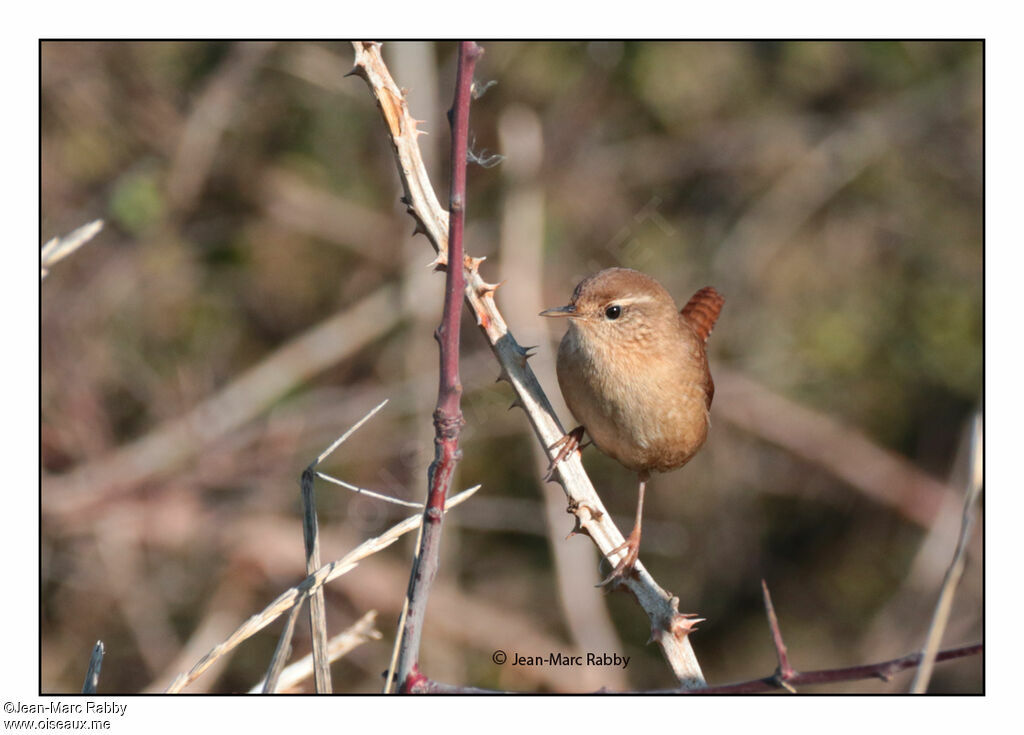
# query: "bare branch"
{"type": "Point", "coordinates": [448, 419]}
{"type": "Point", "coordinates": [884, 670]}
{"type": "Point", "coordinates": [591, 517]}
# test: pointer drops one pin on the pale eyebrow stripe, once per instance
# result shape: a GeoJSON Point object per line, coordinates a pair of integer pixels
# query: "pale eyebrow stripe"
{"type": "Point", "coordinates": [628, 300]}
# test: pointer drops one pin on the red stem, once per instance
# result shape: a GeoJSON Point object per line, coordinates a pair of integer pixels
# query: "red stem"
{"type": "Point", "coordinates": [883, 670]}
{"type": "Point", "coordinates": [448, 414]}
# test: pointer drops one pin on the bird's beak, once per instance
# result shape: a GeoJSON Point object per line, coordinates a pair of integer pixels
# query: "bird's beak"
{"type": "Point", "coordinates": [569, 310]}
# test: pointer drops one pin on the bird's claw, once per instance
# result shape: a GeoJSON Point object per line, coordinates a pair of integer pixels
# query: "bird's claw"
{"type": "Point", "coordinates": [565, 446]}
{"type": "Point", "coordinates": [626, 566]}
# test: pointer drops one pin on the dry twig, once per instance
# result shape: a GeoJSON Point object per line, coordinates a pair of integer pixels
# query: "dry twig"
{"type": "Point", "coordinates": [294, 674]}
{"type": "Point", "coordinates": [92, 674]}
{"type": "Point", "coordinates": [289, 598]}
{"type": "Point", "coordinates": [61, 247]}
{"type": "Point", "coordinates": [283, 649]}
{"type": "Point", "coordinates": [311, 539]}
{"type": "Point", "coordinates": [956, 567]}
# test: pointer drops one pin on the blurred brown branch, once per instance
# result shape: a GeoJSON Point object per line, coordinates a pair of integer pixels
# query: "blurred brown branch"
{"type": "Point", "coordinates": [881, 474]}
{"type": "Point", "coordinates": [162, 449]}
{"type": "Point", "coordinates": [210, 116]}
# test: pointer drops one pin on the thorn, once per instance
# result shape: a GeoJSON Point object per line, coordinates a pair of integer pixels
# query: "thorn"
{"type": "Point", "coordinates": [578, 528]}
{"type": "Point", "coordinates": [575, 510]}
{"type": "Point", "coordinates": [683, 624]}
{"type": "Point", "coordinates": [522, 354]}
{"type": "Point", "coordinates": [503, 375]}
{"type": "Point", "coordinates": [516, 403]}
{"type": "Point", "coordinates": [783, 683]}
{"type": "Point", "coordinates": [483, 159]}
{"type": "Point", "coordinates": [486, 288]}
{"type": "Point", "coordinates": [785, 670]}
{"type": "Point", "coordinates": [529, 352]}
{"type": "Point", "coordinates": [439, 263]}
{"type": "Point", "coordinates": [472, 264]}
{"type": "Point", "coordinates": [405, 200]}
{"type": "Point", "coordinates": [418, 229]}
{"type": "Point", "coordinates": [478, 90]}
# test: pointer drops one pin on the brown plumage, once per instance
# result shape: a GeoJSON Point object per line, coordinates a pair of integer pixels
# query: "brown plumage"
{"type": "Point", "coordinates": [634, 372]}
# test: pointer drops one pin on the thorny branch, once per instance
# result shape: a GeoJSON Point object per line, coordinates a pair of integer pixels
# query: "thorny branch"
{"type": "Point", "coordinates": [448, 419]}
{"type": "Point", "coordinates": [785, 676]}
{"type": "Point", "coordinates": [668, 626]}
{"type": "Point", "coordinates": [883, 670]}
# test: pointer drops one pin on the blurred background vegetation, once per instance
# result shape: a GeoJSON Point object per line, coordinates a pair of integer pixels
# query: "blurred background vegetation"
{"type": "Point", "coordinates": [831, 191]}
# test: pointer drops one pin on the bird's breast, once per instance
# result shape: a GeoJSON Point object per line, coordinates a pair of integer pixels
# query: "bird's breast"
{"type": "Point", "coordinates": [646, 409]}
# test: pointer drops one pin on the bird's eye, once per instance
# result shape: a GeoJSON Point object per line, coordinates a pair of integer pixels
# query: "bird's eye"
{"type": "Point", "coordinates": [613, 312]}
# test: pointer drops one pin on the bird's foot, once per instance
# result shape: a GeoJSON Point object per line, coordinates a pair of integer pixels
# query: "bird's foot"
{"type": "Point", "coordinates": [626, 566]}
{"type": "Point", "coordinates": [565, 446]}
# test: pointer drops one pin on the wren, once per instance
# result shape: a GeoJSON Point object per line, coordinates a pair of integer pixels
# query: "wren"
{"type": "Point", "coordinates": [634, 372]}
